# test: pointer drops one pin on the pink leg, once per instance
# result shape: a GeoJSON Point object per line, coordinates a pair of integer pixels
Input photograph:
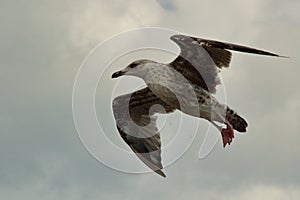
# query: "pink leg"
{"type": "Point", "coordinates": [227, 133]}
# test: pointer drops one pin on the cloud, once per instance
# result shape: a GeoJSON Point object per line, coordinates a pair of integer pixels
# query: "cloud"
{"type": "Point", "coordinates": [90, 24]}
{"type": "Point", "coordinates": [265, 192]}
{"type": "Point", "coordinates": [167, 4]}
{"type": "Point", "coordinates": [42, 47]}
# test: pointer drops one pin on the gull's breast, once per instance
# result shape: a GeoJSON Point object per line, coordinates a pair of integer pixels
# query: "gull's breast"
{"type": "Point", "coordinates": [174, 89]}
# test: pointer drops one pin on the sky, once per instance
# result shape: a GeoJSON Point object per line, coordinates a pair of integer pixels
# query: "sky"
{"type": "Point", "coordinates": [43, 44]}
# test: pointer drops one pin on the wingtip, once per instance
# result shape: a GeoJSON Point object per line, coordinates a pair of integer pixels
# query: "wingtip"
{"type": "Point", "coordinates": [160, 173]}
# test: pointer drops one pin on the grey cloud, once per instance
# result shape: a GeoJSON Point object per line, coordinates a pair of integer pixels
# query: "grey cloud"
{"type": "Point", "coordinates": [167, 4]}
{"type": "Point", "coordinates": [42, 47]}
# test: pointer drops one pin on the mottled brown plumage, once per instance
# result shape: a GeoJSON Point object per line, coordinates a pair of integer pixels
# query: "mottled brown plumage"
{"type": "Point", "coordinates": [186, 84]}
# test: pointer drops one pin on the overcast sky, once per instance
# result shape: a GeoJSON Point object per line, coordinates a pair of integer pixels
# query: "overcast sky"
{"type": "Point", "coordinates": [43, 44]}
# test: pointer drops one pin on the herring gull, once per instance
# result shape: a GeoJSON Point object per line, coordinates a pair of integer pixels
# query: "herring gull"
{"type": "Point", "coordinates": [187, 84]}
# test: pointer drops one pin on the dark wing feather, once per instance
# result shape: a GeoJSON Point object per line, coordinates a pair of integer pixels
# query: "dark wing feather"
{"type": "Point", "coordinates": [195, 63]}
{"type": "Point", "coordinates": [136, 124]}
{"type": "Point", "coordinates": [220, 57]}
{"type": "Point", "coordinates": [233, 47]}
{"type": "Point", "coordinates": [200, 59]}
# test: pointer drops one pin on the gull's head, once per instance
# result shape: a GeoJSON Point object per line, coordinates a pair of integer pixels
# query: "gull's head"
{"type": "Point", "coordinates": [137, 68]}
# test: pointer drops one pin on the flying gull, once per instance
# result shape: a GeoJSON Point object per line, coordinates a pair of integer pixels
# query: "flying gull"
{"type": "Point", "coordinates": [186, 84]}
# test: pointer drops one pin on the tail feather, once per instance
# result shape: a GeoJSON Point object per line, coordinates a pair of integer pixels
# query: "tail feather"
{"type": "Point", "coordinates": [237, 122]}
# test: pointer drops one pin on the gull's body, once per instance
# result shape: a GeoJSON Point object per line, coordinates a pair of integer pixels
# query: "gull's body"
{"type": "Point", "coordinates": [186, 84]}
{"type": "Point", "coordinates": [174, 89]}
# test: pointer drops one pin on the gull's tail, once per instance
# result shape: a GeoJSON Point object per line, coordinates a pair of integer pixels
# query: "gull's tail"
{"type": "Point", "coordinates": [237, 122]}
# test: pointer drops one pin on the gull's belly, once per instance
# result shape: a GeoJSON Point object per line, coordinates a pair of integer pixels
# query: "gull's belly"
{"type": "Point", "coordinates": [172, 88]}
{"type": "Point", "coordinates": [184, 98]}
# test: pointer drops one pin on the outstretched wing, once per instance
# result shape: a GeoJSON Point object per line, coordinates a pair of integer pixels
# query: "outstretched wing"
{"type": "Point", "coordinates": [200, 59]}
{"type": "Point", "coordinates": [136, 124]}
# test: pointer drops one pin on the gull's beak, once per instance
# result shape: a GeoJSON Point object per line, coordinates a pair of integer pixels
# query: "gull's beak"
{"type": "Point", "coordinates": [117, 74]}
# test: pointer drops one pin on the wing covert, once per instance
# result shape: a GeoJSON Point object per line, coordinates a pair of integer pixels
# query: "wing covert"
{"type": "Point", "coordinates": [200, 59]}
{"type": "Point", "coordinates": [136, 123]}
